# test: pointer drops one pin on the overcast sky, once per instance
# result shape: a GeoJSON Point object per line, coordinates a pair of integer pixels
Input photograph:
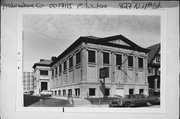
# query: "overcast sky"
{"type": "Point", "coordinates": [50, 35]}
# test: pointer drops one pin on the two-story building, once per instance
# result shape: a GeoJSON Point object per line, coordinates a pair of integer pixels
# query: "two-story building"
{"type": "Point", "coordinates": [154, 69]}
{"type": "Point", "coordinates": [77, 70]}
{"type": "Point", "coordinates": [42, 76]}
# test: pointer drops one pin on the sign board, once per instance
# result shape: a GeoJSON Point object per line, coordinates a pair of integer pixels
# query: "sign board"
{"type": "Point", "coordinates": [104, 72]}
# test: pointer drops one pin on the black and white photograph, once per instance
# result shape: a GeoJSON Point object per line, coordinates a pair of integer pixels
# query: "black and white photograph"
{"type": "Point", "coordinates": [90, 60]}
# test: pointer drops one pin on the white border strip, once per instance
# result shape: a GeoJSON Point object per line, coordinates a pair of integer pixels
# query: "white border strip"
{"type": "Point", "coordinates": [113, 11]}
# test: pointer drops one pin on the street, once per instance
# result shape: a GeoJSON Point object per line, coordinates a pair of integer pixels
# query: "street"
{"type": "Point", "coordinates": [56, 101]}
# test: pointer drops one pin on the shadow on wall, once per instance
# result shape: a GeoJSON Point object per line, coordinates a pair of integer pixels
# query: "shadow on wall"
{"type": "Point", "coordinates": [29, 100]}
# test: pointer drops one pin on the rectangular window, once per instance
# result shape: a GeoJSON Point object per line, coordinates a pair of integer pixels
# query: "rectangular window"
{"type": "Point", "coordinates": [91, 56]}
{"type": "Point", "coordinates": [56, 71]}
{"type": "Point", "coordinates": [107, 92]}
{"type": "Point", "coordinates": [59, 92]}
{"type": "Point", "coordinates": [60, 69]}
{"type": "Point", "coordinates": [105, 58]}
{"type": "Point", "coordinates": [77, 92]}
{"type": "Point", "coordinates": [43, 72]}
{"type": "Point", "coordinates": [131, 91]}
{"type": "Point", "coordinates": [141, 91]}
{"type": "Point", "coordinates": [130, 61]}
{"type": "Point", "coordinates": [118, 59]}
{"type": "Point", "coordinates": [64, 92]}
{"type": "Point", "coordinates": [140, 62]}
{"type": "Point", "coordinates": [78, 57]}
{"type": "Point", "coordinates": [71, 62]}
{"type": "Point", "coordinates": [69, 91]}
{"type": "Point", "coordinates": [65, 65]}
{"type": "Point", "coordinates": [92, 91]}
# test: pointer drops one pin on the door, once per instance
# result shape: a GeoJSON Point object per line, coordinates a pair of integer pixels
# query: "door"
{"type": "Point", "coordinates": [43, 86]}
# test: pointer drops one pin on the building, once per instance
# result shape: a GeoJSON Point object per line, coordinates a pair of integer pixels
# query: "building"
{"type": "Point", "coordinates": [154, 69]}
{"type": "Point", "coordinates": [76, 71]}
{"type": "Point", "coordinates": [28, 81]}
{"type": "Point", "coordinates": [42, 76]}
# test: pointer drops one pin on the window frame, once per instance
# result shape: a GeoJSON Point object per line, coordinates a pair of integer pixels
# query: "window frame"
{"type": "Point", "coordinates": [77, 92]}
{"type": "Point", "coordinates": [71, 62]}
{"type": "Point", "coordinates": [105, 93]}
{"type": "Point", "coordinates": [90, 58]}
{"type": "Point", "coordinates": [139, 62]}
{"type": "Point", "coordinates": [131, 89]}
{"type": "Point", "coordinates": [56, 72]}
{"type": "Point", "coordinates": [118, 60]}
{"type": "Point", "coordinates": [60, 69]}
{"type": "Point", "coordinates": [94, 92]}
{"type": "Point", "coordinates": [78, 57]}
{"type": "Point", "coordinates": [131, 62]}
{"type": "Point", "coordinates": [52, 72]}
{"type": "Point", "coordinates": [40, 72]}
{"type": "Point", "coordinates": [104, 52]}
{"type": "Point", "coordinates": [65, 66]}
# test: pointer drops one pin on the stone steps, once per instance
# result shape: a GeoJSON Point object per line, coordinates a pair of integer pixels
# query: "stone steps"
{"type": "Point", "coordinates": [78, 101]}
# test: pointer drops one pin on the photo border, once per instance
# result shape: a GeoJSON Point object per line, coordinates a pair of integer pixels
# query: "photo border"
{"type": "Point", "coordinates": [110, 11]}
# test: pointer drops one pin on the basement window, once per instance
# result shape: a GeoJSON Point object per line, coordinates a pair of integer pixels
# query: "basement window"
{"type": "Point", "coordinates": [92, 91]}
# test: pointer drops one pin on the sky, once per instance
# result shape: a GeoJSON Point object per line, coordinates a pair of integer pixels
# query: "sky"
{"type": "Point", "coordinates": [49, 35]}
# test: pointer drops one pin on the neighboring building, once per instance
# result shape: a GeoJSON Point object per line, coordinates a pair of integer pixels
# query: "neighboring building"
{"type": "Point", "coordinates": [154, 69]}
{"type": "Point", "coordinates": [28, 81]}
{"type": "Point", "coordinates": [42, 76]}
{"type": "Point", "coordinates": [77, 70]}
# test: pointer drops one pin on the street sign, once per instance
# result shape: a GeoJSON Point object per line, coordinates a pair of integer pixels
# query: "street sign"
{"type": "Point", "coordinates": [104, 72]}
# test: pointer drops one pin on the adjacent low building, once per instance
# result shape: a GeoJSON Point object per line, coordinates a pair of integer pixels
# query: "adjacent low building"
{"type": "Point", "coordinates": [42, 75]}
{"type": "Point", "coordinates": [76, 71]}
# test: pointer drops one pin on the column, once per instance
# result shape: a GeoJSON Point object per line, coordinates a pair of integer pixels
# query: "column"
{"type": "Point", "coordinates": [136, 80]}
{"type": "Point", "coordinates": [113, 67]}
{"type": "Point", "coordinates": [124, 70]}
{"type": "Point", "coordinates": [84, 63]}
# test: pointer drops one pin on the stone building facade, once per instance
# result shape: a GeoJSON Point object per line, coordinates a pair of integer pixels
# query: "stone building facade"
{"type": "Point", "coordinates": [42, 76]}
{"type": "Point", "coordinates": [76, 71]}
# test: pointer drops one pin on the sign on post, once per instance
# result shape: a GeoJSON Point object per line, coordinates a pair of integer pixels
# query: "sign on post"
{"type": "Point", "coordinates": [104, 72]}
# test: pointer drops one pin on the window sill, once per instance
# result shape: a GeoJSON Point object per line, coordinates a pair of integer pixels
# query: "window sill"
{"type": "Point", "coordinates": [119, 67]}
{"type": "Point", "coordinates": [70, 69]}
{"type": "Point", "coordinates": [106, 64]}
{"type": "Point", "coordinates": [141, 69]}
{"type": "Point", "coordinates": [43, 75]}
{"type": "Point", "coordinates": [130, 68]}
{"type": "Point", "coordinates": [78, 66]}
{"type": "Point", "coordinates": [90, 64]}
{"type": "Point", "coordinates": [64, 72]}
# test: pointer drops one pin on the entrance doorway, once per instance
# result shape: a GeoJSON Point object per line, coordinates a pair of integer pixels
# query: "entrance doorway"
{"type": "Point", "coordinates": [43, 86]}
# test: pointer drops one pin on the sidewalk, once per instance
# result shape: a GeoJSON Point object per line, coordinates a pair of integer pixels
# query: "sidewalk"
{"type": "Point", "coordinates": [76, 100]}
